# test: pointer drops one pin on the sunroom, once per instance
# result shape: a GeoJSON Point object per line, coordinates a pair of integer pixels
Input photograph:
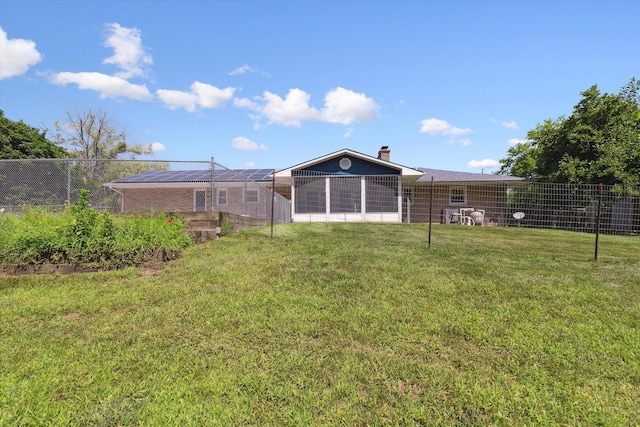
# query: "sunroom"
{"type": "Point", "coordinates": [347, 186]}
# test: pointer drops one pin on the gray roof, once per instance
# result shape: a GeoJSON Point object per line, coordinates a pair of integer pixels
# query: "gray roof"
{"type": "Point", "coordinates": [440, 175]}
{"type": "Point", "coordinates": [405, 171]}
{"type": "Point", "coordinates": [239, 175]}
{"type": "Point", "coordinates": [220, 175]}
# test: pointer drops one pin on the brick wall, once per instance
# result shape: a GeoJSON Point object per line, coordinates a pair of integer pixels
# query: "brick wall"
{"type": "Point", "coordinates": [162, 199]}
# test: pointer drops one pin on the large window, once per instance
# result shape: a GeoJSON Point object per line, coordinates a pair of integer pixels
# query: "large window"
{"type": "Point", "coordinates": [382, 193]}
{"type": "Point", "coordinates": [345, 194]}
{"type": "Point", "coordinates": [310, 194]}
{"type": "Point", "coordinates": [457, 195]}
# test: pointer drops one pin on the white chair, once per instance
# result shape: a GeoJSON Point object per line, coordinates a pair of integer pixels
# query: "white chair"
{"type": "Point", "coordinates": [465, 218]}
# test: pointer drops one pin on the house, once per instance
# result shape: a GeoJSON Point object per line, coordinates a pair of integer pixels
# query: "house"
{"type": "Point", "coordinates": [343, 186]}
{"type": "Point", "coordinates": [347, 186]}
{"type": "Point", "coordinates": [351, 186]}
{"type": "Point", "coordinates": [244, 192]}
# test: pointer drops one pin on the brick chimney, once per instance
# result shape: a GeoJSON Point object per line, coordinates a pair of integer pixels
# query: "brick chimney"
{"type": "Point", "coordinates": [384, 153]}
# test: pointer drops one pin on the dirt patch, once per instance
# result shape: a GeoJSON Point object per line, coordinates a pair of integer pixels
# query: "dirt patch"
{"type": "Point", "coordinates": [152, 268]}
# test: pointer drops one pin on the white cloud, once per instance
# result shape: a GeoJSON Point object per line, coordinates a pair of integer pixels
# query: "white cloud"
{"type": "Point", "coordinates": [245, 144]}
{"type": "Point", "coordinates": [129, 53]}
{"type": "Point", "coordinates": [201, 95]}
{"type": "Point", "coordinates": [157, 146]}
{"type": "Point", "coordinates": [243, 69]}
{"type": "Point", "coordinates": [484, 163]}
{"type": "Point", "coordinates": [176, 99]}
{"type": "Point", "coordinates": [291, 110]}
{"type": "Point", "coordinates": [348, 133]}
{"type": "Point", "coordinates": [108, 86]}
{"type": "Point", "coordinates": [250, 105]}
{"type": "Point", "coordinates": [16, 56]}
{"type": "Point", "coordinates": [246, 103]}
{"type": "Point", "coordinates": [250, 164]}
{"type": "Point", "coordinates": [510, 125]}
{"type": "Point", "coordinates": [515, 141]}
{"type": "Point", "coordinates": [210, 96]}
{"type": "Point", "coordinates": [434, 126]}
{"type": "Point", "coordinates": [345, 107]}
{"type": "Point", "coordinates": [340, 106]}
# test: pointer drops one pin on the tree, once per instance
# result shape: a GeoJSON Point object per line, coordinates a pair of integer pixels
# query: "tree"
{"type": "Point", "coordinates": [18, 140]}
{"type": "Point", "coordinates": [92, 134]}
{"type": "Point", "coordinates": [94, 138]}
{"type": "Point", "coordinates": [520, 161]}
{"type": "Point", "coordinates": [598, 143]}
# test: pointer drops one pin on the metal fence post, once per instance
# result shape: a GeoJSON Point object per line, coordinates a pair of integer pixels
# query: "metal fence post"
{"type": "Point", "coordinates": [273, 199]}
{"type": "Point", "coordinates": [430, 212]}
{"type": "Point", "coordinates": [213, 190]}
{"type": "Point", "coordinates": [68, 183]}
{"type": "Point", "coordinates": [598, 221]}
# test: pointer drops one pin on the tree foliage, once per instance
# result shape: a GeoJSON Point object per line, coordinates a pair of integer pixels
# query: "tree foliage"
{"type": "Point", "coordinates": [598, 143]}
{"type": "Point", "coordinates": [18, 140]}
{"type": "Point", "coordinates": [93, 134]}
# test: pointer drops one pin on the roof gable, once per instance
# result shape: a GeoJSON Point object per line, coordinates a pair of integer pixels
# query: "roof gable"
{"type": "Point", "coordinates": [348, 165]}
{"type": "Point", "coordinates": [361, 164]}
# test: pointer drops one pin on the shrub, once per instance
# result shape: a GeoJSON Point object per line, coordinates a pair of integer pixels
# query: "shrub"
{"type": "Point", "coordinates": [81, 235]}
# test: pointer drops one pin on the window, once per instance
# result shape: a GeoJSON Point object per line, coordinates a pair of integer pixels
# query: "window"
{"type": "Point", "coordinates": [251, 196]}
{"type": "Point", "coordinates": [382, 193]}
{"type": "Point", "coordinates": [345, 163]}
{"type": "Point", "coordinates": [345, 194]}
{"type": "Point", "coordinates": [310, 194]}
{"type": "Point", "coordinates": [457, 195]}
{"type": "Point", "coordinates": [222, 197]}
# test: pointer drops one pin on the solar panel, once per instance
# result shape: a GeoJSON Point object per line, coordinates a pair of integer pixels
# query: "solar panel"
{"type": "Point", "coordinates": [220, 175]}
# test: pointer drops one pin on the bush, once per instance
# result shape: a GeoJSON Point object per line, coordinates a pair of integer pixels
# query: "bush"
{"type": "Point", "coordinates": [81, 235]}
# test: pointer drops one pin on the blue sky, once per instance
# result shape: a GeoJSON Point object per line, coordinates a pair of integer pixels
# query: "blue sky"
{"type": "Point", "coordinates": [266, 84]}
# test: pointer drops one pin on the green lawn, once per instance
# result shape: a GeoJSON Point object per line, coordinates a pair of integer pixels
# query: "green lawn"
{"type": "Point", "coordinates": [335, 324]}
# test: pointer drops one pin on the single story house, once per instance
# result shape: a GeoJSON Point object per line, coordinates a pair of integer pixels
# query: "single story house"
{"type": "Point", "coordinates": [347, 186]}
{"type": "Point", "coordinates": [242, 191]}
{"type": "Point", "coordinates": [343, 186]}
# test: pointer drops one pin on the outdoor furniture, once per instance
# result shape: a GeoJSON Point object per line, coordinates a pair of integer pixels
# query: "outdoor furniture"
{"type": "Point", "coordinates": [454, 218]}
{"type": "Point", "coordinates": [471, 216]}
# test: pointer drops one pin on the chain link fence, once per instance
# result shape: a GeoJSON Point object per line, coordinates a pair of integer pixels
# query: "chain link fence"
{"type": "Point", "coordinates": [526, 204]}
{"type": "Point", "coordinates": [494, 201]}
{"type": "Point", "coordinates": [575, 207]}
{"type": "Point", "coordinates": [130, 186]}
{"type": "Point", "coordinates": [133, 186]}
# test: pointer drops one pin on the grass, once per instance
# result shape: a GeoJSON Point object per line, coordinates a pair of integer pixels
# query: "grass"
{"type": "Point", "coordinates": [335, 324]}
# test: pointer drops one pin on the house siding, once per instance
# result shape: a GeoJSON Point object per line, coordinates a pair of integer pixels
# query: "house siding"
{"type": "Point", "coordinates": [161, 199]}
{"type": "Point", "coordinates": [490, 197]}
{"type": "Point", "coordinates": [358, 167]}
{"type": "Point", "coordinates": [182, 200]}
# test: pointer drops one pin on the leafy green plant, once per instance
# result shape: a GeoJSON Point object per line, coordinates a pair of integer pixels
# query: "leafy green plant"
{"type": "Point", "coordinates": [225, 226]}
{"type": "Point", "coordinates": [81, 235]}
